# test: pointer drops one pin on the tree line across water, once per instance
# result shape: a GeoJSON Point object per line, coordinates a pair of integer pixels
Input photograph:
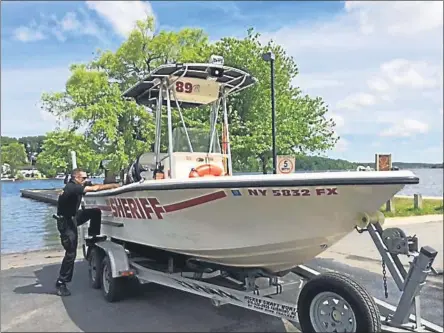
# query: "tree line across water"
{"type": "Point", "coordinates": [100, 124]}
{"type": "Point", "coordinates": [17, 151]}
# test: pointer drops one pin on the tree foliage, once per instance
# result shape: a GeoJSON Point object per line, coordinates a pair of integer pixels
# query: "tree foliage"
{"type": "Point", "coordinates": [6, 140]}
{"type": "Point", "coordinates": [119, 130]}
{"type": "Point", "coordinates": [56, 153]}
{"type": "Point", "coordinates": [14, 154]}
{"type": "Point", "coordinates": [301, 125]}
{"type": "Point", "coordinates": [33, 144]}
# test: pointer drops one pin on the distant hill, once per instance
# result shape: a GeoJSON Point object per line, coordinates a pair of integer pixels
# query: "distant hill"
{"type": "Point", "coordinates": [317, 163]}
{"type": "Point", "coordinates": [406, 165]}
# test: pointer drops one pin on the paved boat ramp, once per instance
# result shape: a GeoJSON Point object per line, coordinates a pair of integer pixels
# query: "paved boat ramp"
{"type": "Point", "coordinates": [45, 195]}
{"type": "Point", "coordinates": [361, 262]}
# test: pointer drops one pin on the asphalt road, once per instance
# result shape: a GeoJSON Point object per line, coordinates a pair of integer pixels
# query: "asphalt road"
{"type": "Point", "coordinates": [28, 303]}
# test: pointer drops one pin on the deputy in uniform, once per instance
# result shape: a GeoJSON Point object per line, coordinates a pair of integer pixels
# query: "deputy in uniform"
{"type": "Point", "coordinates": [71, 217]}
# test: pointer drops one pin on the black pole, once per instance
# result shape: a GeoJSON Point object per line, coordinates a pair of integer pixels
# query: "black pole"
{"type": "Point", "coordinates": [273, 117]}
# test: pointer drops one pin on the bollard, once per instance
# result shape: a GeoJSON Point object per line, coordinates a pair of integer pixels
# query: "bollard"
{"type": "Point", "coordinates": [390, 206]}
{"type": "Point", "coordinates": [417, 201]}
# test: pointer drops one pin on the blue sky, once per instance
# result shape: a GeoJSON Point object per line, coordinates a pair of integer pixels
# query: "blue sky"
{"type": "Point", "coordinates": [378, 65]}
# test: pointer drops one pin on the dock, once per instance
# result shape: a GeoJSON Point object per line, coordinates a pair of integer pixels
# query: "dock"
{"type": "Point", "coordinates": [44, 195]}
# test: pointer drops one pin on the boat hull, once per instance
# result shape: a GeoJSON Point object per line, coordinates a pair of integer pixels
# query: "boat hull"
{"type": "Point", "coordinates": [272, 227]}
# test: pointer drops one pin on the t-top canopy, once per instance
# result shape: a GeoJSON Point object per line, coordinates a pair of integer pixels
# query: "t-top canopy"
{"type": "Point", "coordinates": [193, 84]}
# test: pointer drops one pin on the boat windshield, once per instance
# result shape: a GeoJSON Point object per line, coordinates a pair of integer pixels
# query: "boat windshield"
{"type": "Point", "coordinates": [200, 140]}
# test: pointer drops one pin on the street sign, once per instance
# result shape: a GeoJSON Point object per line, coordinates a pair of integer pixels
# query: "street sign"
{"type": "Point", "coordinates": [285, 164]}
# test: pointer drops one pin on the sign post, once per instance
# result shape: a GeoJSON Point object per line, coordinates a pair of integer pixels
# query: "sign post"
{"type": "Point", "coordinates": [383, 162]}
{"type": "Point", "coordinates": [285, 164]}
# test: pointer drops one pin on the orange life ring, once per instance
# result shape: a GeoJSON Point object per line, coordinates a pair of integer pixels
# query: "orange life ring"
{"type": "Point", "coordinates": [205, 170]}
{"type": "Point", "coordinates": [160, 175]}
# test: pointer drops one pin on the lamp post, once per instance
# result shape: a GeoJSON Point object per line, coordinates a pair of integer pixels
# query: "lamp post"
{"type": "Point", "coordinates": [269, 56]}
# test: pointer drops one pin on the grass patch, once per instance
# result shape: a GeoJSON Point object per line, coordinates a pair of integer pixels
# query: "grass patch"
{"type": "Point", "coordinates": [404, 207]}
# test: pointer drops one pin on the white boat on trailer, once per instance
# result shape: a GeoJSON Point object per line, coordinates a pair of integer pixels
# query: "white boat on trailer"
{"type": "Point", "coordinates": [182, 219]}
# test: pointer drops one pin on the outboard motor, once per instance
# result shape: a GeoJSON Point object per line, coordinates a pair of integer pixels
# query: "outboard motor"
{"type": "Point", "coordinates": [142, 168]}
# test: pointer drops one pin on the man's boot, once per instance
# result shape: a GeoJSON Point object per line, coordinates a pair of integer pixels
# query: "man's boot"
{"type": "Point", "coordinates": [62, 289]}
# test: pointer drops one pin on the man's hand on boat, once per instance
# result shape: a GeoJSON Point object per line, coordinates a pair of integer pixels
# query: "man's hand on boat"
{"type": "Point", "coordinates": [100, 187]}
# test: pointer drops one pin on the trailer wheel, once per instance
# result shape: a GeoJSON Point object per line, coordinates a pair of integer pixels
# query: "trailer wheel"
{"type": "Point", "coordinates": [95, 267]}
{"type": "Point", "coordinates": [113, 288]}
{"type": "Point", "coordinates": [333, 302]}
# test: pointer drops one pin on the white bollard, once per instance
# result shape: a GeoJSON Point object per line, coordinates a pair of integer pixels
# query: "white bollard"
{"type": "Point", "coordinates": [73, 159]}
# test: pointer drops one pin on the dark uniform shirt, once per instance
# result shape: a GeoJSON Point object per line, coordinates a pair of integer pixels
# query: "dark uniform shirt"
{"type": "Point", "coordinates": [69, 201]}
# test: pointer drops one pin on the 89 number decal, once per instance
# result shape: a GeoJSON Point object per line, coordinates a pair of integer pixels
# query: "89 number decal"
{"type": "Point", "coordinates": [186, 87]}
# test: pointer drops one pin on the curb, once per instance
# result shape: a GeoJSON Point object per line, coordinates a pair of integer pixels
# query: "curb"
{"type": "Point", "coordinates": [414, 219]}
{"type": "Point", "coordinates": [423, 197]}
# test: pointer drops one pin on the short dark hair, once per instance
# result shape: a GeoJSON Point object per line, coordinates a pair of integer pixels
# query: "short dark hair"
{"type": "Point", "coordinates": [76, 171]}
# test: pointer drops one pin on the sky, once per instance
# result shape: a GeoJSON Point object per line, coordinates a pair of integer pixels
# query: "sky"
{"type": "Point", "coordinates": [377, 65]}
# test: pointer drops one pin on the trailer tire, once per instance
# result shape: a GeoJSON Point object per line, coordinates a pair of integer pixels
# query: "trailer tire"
{"type": "Point", "coordinates": [95, 258]}
{"type": "Point", "coordinates": [364, 311]}
{"type": "Point", "coordinates": [113, 288]}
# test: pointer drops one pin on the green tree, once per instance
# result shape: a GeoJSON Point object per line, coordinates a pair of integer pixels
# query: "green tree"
{"type": "Point", "coordinates": [14, 154]}
{"type": "Point", "coordinates": [120, 130]}
{"type": "Point", "coordinates": [33, 144]}
{"type": "Point", "coordinates": [6, 140]}
{"type": "Point", "coordinates": [56, 153]}
{"type": "Point", "coordinates": [301, 124]}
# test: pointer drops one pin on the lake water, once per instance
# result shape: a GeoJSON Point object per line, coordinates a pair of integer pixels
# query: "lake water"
{"type": "Point", "coordinates": [28, 225]}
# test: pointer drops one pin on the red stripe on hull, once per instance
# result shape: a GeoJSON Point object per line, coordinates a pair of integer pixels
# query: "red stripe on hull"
{"type": "Point", "coordinates": [195, 201]}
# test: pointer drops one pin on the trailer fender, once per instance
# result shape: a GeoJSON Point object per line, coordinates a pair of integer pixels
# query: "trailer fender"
{"type": "Point", "coordinates": [120, 265]}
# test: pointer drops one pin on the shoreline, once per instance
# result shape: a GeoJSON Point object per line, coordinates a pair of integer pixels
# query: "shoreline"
{"type": "Point", "coordinates": [51, 255]}
{"type": "Point", "coordinates": [411, 196]}
{"type": "Point", "coordinates": [36, 257]}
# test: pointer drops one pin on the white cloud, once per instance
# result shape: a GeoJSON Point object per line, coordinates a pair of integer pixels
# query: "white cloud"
{"type": "Point", "coordinates": [27, 34]}
{"type": "Point", "coordinates": [406, 128]}
{"type": "Point", "coordinates": [21, 114]}
{"type": "Point", "coordinates": [387, 57]}
{"type": "Point", "coordinates": [338, 119]}
{"type": "Point", "coordinates": [356, 101]}
{"type": "Point", "coordinates": [122, 15]}
{"type": "Point", "coordinates": [378, 84]}
{"type": "Point", "coordinates": [342, 145]}
{"type": "Point", "coordinates": [426, 15]}
{"type": "Point", "coordinates": [316, 81]}
{"type": "Point", "coordinates": [416, 75]}
{"type": "Point", "coordinates": [50, 25]}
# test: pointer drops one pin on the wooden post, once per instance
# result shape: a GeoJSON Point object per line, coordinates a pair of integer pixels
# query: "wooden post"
{"type": "Point", "coordinates": [383, 162]}
{"type": "Point", "coordinates": [390, 206]}
{"type": "Point", "coordinates": [417, 201]}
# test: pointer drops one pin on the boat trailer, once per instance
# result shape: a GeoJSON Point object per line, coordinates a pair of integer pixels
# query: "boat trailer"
{"type": "Point", "coordinates": [115, 270]}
